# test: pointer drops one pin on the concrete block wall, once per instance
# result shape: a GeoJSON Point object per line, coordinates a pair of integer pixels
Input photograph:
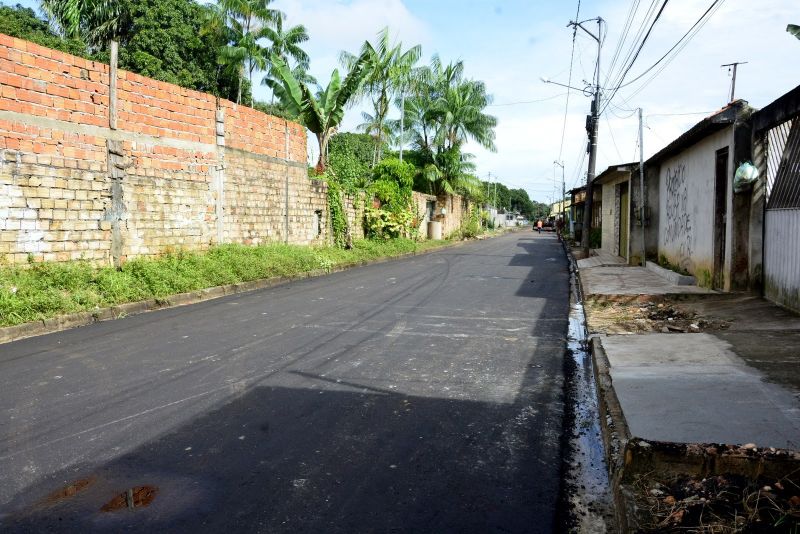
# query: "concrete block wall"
{"type": "Point", "coordinates": [181, 169]}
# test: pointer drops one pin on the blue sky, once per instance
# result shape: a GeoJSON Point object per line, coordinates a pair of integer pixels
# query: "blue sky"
{"type": "Point", "coordinates": [511, 44]}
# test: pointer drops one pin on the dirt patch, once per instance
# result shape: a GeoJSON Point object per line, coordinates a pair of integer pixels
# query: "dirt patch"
{"type": "Point", "coordinates": [636, 315]}
{"type": "Point", "coordinates": [722, 503]}
{"type": "Point", "coordinates": [68, 491]}
{"type": "Point", "coordinates": [136, 497]}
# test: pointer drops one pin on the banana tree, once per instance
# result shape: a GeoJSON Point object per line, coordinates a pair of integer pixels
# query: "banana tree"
{"type": "Point", "coordinates": [321, 113]}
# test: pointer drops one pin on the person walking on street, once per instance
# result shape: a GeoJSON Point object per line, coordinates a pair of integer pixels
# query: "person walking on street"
{"type": "Point", "coordinates": [539, 226]}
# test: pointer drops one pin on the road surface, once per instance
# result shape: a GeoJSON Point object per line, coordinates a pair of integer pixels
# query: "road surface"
{"type": "Point", "coordinates": [419, 395]}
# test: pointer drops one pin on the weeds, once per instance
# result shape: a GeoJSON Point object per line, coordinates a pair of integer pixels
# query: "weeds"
{"type": "Point", "coordinates": [43, 290]}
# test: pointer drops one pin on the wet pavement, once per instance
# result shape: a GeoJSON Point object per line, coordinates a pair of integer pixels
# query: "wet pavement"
{"type": "Point", "coordinates": [587, 492]}
{"type": "Point", "coordinates": [422, 395]}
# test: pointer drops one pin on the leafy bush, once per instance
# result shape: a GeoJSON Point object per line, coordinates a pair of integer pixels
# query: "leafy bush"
{"type": "Point", "coordinates": [350, 159]}
{"type": "Point", "coordinates": [392, 183]}
{"type": "Point", "coordinates": [339, 227]}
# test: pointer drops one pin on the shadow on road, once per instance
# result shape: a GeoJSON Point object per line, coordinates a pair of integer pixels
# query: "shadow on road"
{"type": "Point", "coordinates": [341, 454]}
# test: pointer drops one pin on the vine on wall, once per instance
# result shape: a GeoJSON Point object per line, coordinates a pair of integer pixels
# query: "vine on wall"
{"type": "Point", "coordinates": [339, 228]}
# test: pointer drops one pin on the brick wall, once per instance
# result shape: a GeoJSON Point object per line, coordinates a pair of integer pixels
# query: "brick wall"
{"type": "Point", "coordinates": [181, 169]}
{"type": "Point", "coordinates": [456, 211]}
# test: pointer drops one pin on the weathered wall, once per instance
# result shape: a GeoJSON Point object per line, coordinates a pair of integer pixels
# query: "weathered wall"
{"type": "Point", "coordinates": [456, 211]}
{"type": "Point", "coordinates": [611, 215]}
{"type": "Point", "coordinates": [420, 206]}
{"type": "Point", "coordinates": [181, 169]}
{"type": "Point", "coordinates": [686, 205]}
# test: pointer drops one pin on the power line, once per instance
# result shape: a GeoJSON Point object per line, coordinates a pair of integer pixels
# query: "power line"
{"type": "Point", "coordinates": [623, 37]}
{"type": "Point", "coordinates": [528, 101]}
{"type": "Point", "coordinates": [651, 67]}
{"type": "Point", "coordinates": [611, 132]}
{"type": "Point", "coordinates": [636, 55]}
{"type": "Point", "coordinates": [569, 82]}
{"type": "Point", "coordinates": [678, 51]}
{"type": "Point", "coordinates": [639, 33]}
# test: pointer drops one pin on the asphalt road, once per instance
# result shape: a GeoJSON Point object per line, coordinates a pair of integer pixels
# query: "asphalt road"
{"type": "Point", "coordinates": [420, 395]}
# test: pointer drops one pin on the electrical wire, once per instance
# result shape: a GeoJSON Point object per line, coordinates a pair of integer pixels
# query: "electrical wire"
{"type": "Point", "coordinates": [654, 65]}
{"type": "Point", "coordinates": [636, 55]}
{"type": "Point", "coordinates": [678, 51]}
{"type": "Point", "coordinates": [527, 101]}
{"type": "Point", "coordinates": [634, 42]}
{"type": "Point", "coordinates": [566, 105]}
{"type": "Point", "coordinates": [611, 132]}
{"type": "Point", "coordinates": [623, 37]}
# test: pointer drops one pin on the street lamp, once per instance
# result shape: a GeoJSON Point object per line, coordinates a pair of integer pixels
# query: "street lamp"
{"type": "Point", "coordinates": [587, 90]}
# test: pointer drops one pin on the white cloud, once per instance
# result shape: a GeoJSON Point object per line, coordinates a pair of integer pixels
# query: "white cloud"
{"type": "Point", "coordinates": [511, 56]}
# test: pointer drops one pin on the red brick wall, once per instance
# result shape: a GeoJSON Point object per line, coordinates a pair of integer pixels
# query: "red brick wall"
{"type": "Point", "coordinates": [59, 162]}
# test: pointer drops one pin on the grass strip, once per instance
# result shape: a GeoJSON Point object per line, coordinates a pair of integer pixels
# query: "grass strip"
{"type": "Point", "coordinates": [44, 290]}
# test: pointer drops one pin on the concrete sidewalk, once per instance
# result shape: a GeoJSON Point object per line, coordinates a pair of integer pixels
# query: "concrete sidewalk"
{"type": "Point", "coordinates": [736, 382]}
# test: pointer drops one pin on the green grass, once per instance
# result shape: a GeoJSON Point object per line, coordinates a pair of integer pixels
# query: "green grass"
{"type": "Point", "coordinates": [44, 290]}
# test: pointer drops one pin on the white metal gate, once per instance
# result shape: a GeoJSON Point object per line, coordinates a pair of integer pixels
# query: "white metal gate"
{"type": "Point", "coordinates": [782, 215]}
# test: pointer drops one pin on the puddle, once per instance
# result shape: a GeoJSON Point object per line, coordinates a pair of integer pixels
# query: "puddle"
{"type": "Point", "coordinates": [68, 491]}
{"type": "Point", "coordinates": [587, 488]}
{"type": "Point", "coordinates": [136, 497]}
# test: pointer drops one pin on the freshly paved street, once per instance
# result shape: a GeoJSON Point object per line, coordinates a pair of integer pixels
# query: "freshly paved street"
{"type": "Point", "coordinates": [420, 395]}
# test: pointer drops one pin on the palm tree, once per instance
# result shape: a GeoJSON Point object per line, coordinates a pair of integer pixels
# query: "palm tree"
{"type": "Point", "coordinates": [461, 117]}
{"type": "Point", "coordinates": [388, 70]}
{"type": "Point", "coordinates": [95, 21]}
{"type": "Point", "coordinates": [446, 111]}
{"type": "Point", "coordinates": [244, 23]}
{"type": "Point", "coordinates": [286, 45]}
{"type": "Point", "coordinates": [321, 113]}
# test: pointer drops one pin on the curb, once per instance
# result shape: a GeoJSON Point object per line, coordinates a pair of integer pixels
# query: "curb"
{"type": "Point", "coordinates": [614, 433]}
{"type": "Point", "coordinates": [68, 321]}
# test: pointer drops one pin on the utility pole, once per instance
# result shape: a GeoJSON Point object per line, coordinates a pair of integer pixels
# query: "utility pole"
{"type": "Point", "coordinates": [733, 81]}
{"type": "Point", "coordinates": [641, 185]}
{"type": "Point", "coordinates": [563, 192]}
{"type": "Point", "coordinates": [591, 128]}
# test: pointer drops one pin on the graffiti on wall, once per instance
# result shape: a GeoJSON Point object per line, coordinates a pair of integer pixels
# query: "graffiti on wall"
{"type": "Point", "coordinates": [678, 218]}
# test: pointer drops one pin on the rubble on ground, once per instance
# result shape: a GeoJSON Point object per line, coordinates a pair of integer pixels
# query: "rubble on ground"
{"type": "Point", "coordinates": [636, 316]}
{"type": "Point", "coordinates": [722, 503]}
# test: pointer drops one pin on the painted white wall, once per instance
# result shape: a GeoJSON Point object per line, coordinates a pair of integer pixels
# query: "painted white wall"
{"type": "Point", "coordinates": [686, 204]}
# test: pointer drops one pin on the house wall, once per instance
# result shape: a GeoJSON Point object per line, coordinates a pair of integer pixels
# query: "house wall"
{"type": "Point", "coordinates": [611, 216]}
{"type": "Point", "coordinates": [181, 169]}
{"type": "Point", "coordinates": [686, 205]}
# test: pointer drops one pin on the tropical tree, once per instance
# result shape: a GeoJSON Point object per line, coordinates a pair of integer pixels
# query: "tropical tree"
{"type": "Point", "coordinates": [321, 113]}
{"type": "Point", "coordinates": [445, 111]}
{"type": "Point", "coordinates": [163, 40]}
{"type": "Point", "coordinates": [244, 23]}
{"type": "Point", "coordinates": [23, 23]}
{"type": "Point", "coordinates": [388, 70]}
{"type": "Point", "coordinates": [794, 29]}
{"type": "Point", "coordinates": [95, 21]}
{"type": "Point", "coordinates": [286, 45]}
